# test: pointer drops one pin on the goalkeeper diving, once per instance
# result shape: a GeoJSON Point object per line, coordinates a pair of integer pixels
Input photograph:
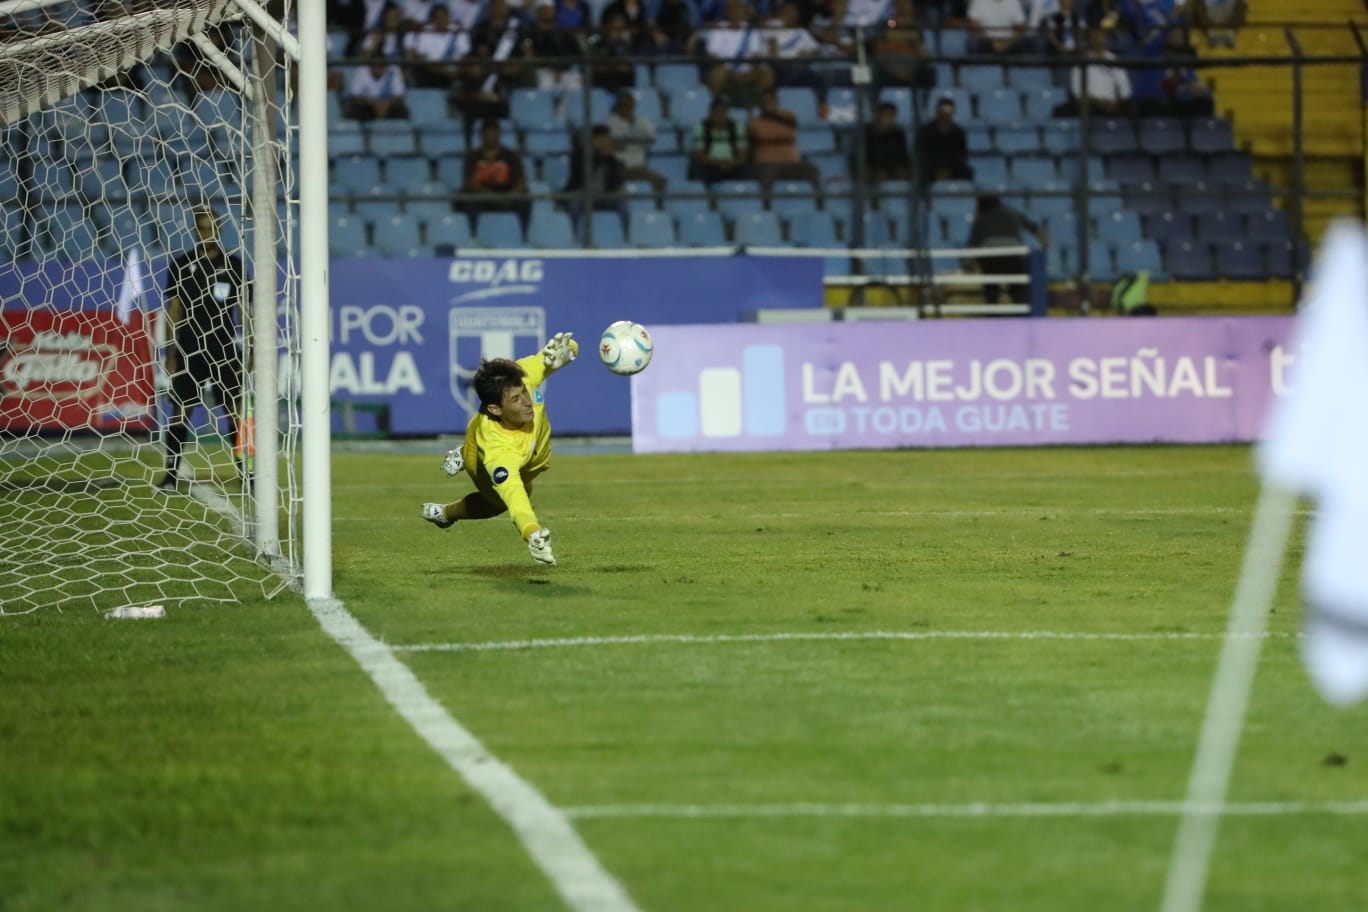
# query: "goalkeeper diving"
{"type": "Point", "coordinates": [507, 445]}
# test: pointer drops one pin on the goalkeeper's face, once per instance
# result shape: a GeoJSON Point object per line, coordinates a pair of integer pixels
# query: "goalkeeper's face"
{"type": "Point", "coordinates": [515, 410]}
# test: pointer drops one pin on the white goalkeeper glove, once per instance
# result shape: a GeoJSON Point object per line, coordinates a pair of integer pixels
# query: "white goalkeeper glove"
{"type": "Point", "coordinates": [454, 462]}
{"type": "Point", "coordinates": [539, 546]}
{"type": "Point", "coordinates": [560, 351]}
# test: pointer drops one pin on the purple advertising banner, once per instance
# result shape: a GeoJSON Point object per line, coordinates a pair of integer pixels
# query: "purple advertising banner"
{"type": "Point", "coordinates": [960, 383]}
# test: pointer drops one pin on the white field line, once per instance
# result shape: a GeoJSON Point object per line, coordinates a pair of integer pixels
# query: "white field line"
{"type": "Point", "coordinates": [545, 832]}
{"type": "Point", "coordinates": [704, 639]}
{"type": "Point", "coordinates": [974, 809]}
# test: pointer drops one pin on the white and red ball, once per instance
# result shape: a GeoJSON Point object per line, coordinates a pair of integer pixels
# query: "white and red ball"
{"type": "Point", "coordinates": [625, 347]}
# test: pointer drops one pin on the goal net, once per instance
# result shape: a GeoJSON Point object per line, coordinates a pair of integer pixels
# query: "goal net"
{"type": "Point", "coordinates": [149, 287]}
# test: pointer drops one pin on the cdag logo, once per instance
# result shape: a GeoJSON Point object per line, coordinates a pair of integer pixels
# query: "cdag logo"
{"type": "Point", "coordinates": [729, 401]}
{"type": "Point", "coordinates": [55, 367]}
{"type": "Point", "coordinates": [499, 278]}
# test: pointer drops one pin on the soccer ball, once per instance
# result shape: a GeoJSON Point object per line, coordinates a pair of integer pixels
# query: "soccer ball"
{"type": "Point", "coordinates": [625, 347]}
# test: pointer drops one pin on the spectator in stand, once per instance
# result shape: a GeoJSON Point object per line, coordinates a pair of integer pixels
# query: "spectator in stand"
{"type": "Point", "coordinates": [784, 38]}
{"type": "Point", "coordinates": [867, 13]}
{"type": "Point", "coordinates": [376, 92]}
{"type": "Point", "coordinates": [886, 155]}
{"type": "Point", "coordinates": [899, 57]}
{"type": "Point", "coordinates": [1059, 24]}
{"type": "Point", "coordinates": [728, 45]}
{"type": "Point", "coordinates": [572, 14]}
{"type": "Point", "coordinates": [500, 30]}
{"type": "Point", "coordinates": [546, 41]}
{"type": "Point", "coordinates": [774, 145]}
{"type": "Point", "coordinates": [357, 17]}
{"type": "Point", "coordinates": [414, 14]}
{"type": "Point", "coordinates": [1219, 19]}
{"type": "Point", "coordinates": [999, 225]}
{"type": "Point", "coordinates": [478, 93]}
{"type": "Point", "coordinates": [386, 39]}
{"type": "Point", "coordinates": [675, 21]}
{"type": "Point", "coordinates": [999, 26]}
{"type": "Point", "coordinates": [611, 50]}
{"type": "Point", "coordinates": [1172, 89]}
{"type": "Point", "coordinates": [636, 20]}
{"type": "Point", "coordinates": [603, 180]}
{"type": "Point", "coordinates": [633, 137]}
{"type": "Point", "coordinates": [943, 146]}
{"type": "Point", "coordinates": [433, 52]}
{"type": "Point", "coordinates": [1108, 87]}
{"type": "Point", "coordinates": [718, 151]}
{"type": "Point", "coordinates": [493, 168]}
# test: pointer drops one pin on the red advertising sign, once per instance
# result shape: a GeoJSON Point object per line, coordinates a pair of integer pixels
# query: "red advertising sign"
{"type": "Point", "coordinates": [75, 369]}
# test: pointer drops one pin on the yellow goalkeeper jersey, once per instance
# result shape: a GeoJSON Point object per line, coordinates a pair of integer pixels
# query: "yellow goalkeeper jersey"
{"type": "Point", "coordinates": [503, 462]}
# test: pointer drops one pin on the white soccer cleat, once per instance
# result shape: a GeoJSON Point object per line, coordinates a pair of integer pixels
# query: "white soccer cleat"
{"type": "Point", "coordinates": [453, 463]}
{"type": "Point", "coordinates": [560, 351]}
{"type": "Point", "coordinates": [435, 513]}
{"type": "Point", "coordinates": [539, 546]}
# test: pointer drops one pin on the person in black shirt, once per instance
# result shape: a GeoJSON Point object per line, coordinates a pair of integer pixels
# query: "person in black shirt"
{"type": "Point", "coordinates": [886, 155]}
{"type": "Point", "coordinates": [999, 225]}
{"type": "Point", "coordinates": [943, 146]}
{"type": "Point", "coordinates": [204, 292]}
{"type": "Point", "coordinates": [606, 175]}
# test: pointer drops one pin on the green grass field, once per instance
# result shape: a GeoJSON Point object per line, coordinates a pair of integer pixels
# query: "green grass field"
{"type": "Point", "coordinates": [699, 688]}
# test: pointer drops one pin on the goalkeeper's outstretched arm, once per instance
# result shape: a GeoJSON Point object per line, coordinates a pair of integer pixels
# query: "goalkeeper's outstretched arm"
{"type": "Point", "coordinates": [559, 351]}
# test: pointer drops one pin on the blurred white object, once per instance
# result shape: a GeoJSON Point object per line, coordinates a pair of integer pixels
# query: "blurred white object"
{"type": "Point", "coordinates": [137, 611]}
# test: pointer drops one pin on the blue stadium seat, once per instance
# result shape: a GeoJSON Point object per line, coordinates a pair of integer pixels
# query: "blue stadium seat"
{"type": "Point", "coordinates": [398, 236]}
{"type": "Point", "coordinates": [1016, 139]}
{"type": "Point", "coordinates": [789, 198]}
{"type": "Point", "coordinates": [390, 137]}
{"type": "Point", "coordinates": [204, 179]}
{"type": "Point", "coordinates": [1218, 226]}
{"type": "Point", "coordinates": [357, 173]}
{"type": "Point", "coordinates": [1032, 171]}
{"type": "Point", "coordinates": [1179, 170]}
{"type": "Point", "coordinates": [346, 237]}
{"type": "Point", "coordinates": [1237, 259]}
{"type": "Point", "coordinates": [813, 229]}
{"type": "Point", "coordinates": [689, 106]}
{"type": "Point", "coordinates": [1138, 256]}
{"type": "Point", "coordinates": [832, 166]}
{"type": "Point", "coordinates": [550, 229]}
{"type": "Point", "coordinates": [979, 138]}
{"type": "Point", "coordinates": [555, 170]}
{"type": "Point", "coordinates": [1249, 197]}
{"type": "Point", "coordinates": [953, 42]}
{"type": "Point", "coordinates": [408, 172]}
{"type": "Point", "coordinates": [1169, 226]}
{"type": "Point", "coordinates": [1059, 260]}
{"type": "Point", "coordinates": [651, 229]}
{"type": "Point", "coordinates": [1060, 137]}
{"type": "Point", "coordinates": [450, 171]}
{"type": "Point", "coordinates": [377, 204]}
{"type": "Point", "coordinates": [981, 77]}
{"type": "Point", "coordinates": [875, 231]}
{"type": "Point", "coordinates": [816, 141]}
{"type": "Point", "coordinates": [546, 142]}
{"type": "Point", "coordinates": [1119, 226]}
{"type": "Point", "coordinates": [102, 178]}
{"type": "Point", "coordinates": [498, 230]}
{"type": "Point", "coordinates": [802, 101]}
{"type": "Point", "coordinates": [674, 168]}
{"type": "Point", "coordinates": [1069, 166]}
{"type": "Point", "coordinates": [1229, 167]}
{"type": "Point", "coordinates": [640, 197]}
{"type": "Point", "coordinates": [1188, 260]}
{"type": "Point", "coordinates": [1049, 197]}
{"type": "Point", "coordinates": [1112, 136]}
{"type": "Point", "coordinates": [607, 230]}
{"type": "Point", "coordinates": [427, 201]}
{"type": "Point", "coordinates": [1062, 226]}
{"type": "Point", "coordinates": [427, 106]}
{"type": "Point", "coordinates": [1148, 199]}
{"type": "Point", "coordinates": [435, 141]}
{"type": "Point", "coordinates": [1211, 135]}
{"type": "Point", "coordinates": [1040, 104]}
{"type": "Point", "coordinates": [449, 231]}
{"type": "Point", "coordinates": [1026, 77]}
{"type": "Point", "coordinates": [56, 181]}
{"type": "Point", "coordinates": [670, 77]}
{"type": "Point", "coordinates": [1161, 136]}
{"type": "Point", "coordinates": [1283, 260]}
{"type": "Point", "coordinates": [346, 139]}
{"type": "Point", "coordinates": [1101, 264]}
{"type": "Point", "coordinates": [572, 106]}
{"type": "Point", "coordinates": [735, 198]}
{"type": "Point", "coordinates": [1269, 227]}
{"type": "Point", "coordinates": [697, 200]}
{"type": "Point", "coordinates": [648, 104]}
{"type": "Point", "coordinates": [989, 169]}
{"type": "Point", "coordinates": [126, 227]}
{"type": "Point", "coordinates": [1000, 106]}
{"type": "Point", "coordinates": [702, 229]}
{"type": "Point", "coordinates": [532, 108]}
{"type": "Point", "coordinates": [946, 201]}
{"type": "Point", "coordinates": [758, 229]}
{"type": "Point", "coordinates": [1130, 169]}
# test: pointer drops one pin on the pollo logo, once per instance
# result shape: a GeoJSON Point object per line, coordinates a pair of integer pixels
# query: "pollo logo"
{"type": "Point", "coordinates": [499, 277]}
{"type": "Point", "coordinates": [55, 367]}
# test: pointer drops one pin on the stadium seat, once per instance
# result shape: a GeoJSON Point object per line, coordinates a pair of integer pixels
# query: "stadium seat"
{"type": "Point", "coordinates": [1112, 136]}
{"type": "Point", "coordinates": [1048, 198]}
{"type": "Point", "coordinates": [702, 229]}
{"type": "Point", "coordinates": [982, 78]}
{"type": "Point", "coordinates": [377, 204]}
{"type": "Point", "coordinates": [802, 102]}
{"type": "Point", "coordinates": [1148, 199]}
{"type": "Point", "coordinates": [607, 231]}
{"type": "Point", "coordinates": [1069, 166]}
{"type": "Point", "coordinates": [689, 106]}
{"type": "Point", "coordinates": [1101, 264]}
{"type": "Point", "coordinates": [651, 229]}
{"type": "Point", "coordinates": [1237, 259]}
{"type": "Point", "coordinates": [945, 201]}
{"type": "Point", "coordinates": [758, 229]}
{"type": "Point", "coordinates": [735, 198]}
{"type": "Point", "coordinates": [789, 198]}
{"type": "Point", "coordinates": [550, 229]}
{"type": "Point", "coordinates": [875, 231]}
{"type": "Point", "coordinates": [1188, 260]}
{"type": "Point", "coordinates": [1162, 136]}
{"type": "Point", "coordinates": [1166, 227]}
{"type": "Point", "coordinates": [953, 42]}
{"type": "Point", "coordinates": [450, 171]}
{"type": "Point", "coordinates": [1219, 226]}
{"type": "Point", "coordinates": [126, 227]}
{"type": "Point", "coordinates": [449, 231]}
{"type": "Point", "coordinates": [1059, 137]}
{"type": "Point", "coordinates": [357, 173]}
{"type": "Point", "coordinates": [203, 179]}
{"type": "Point", "coordinates": [555, 170]}
{"type": "Point", "coordinates": [989, 169]}
{"type": "Point", "coordinates": [1229, 167]}
{"type": "Point", "coordinates": [1062, 226]}
{"type": "Point", "coordinates": [1017, 139]}
{"type": "Point", "coordinates": [813, 229]}
{"type": "Point", "coordinates": [13, 236]}
{"type": "Point", "coordinates": [1031, 171]}
{"type": "Point", "coordinates": [1251, 197]}
{"type": "Point", "coordinates": [532, 108]}
{"type": "Point", "coordinates": [670, 77]}
{"type": "Point", "coordinates": [648, 104]}
{"type": "Point", "coordinates": [640, 197]}
{"type": "Point", "coordinates": [979, 138]}
{"type": "Point", "coordinates": [345, 139]}
{"type": "Point", "coordinates": [1040, 104]}
{"type": "Point", "coordinates": [1282, 260]}
{"type": "Point", "coordinates": [1269, 227]}
{"type": "Point", "coordinates": [831, 167]}
{"type": "Point", "coordinates": [1000, 106]}
{"type": "Point", "coordinates": [346, 237]}
{"type": "Point", "coordinates": [1119, 226]}
{"type": "Point", "coordinates": [498, 230]}
{"type": "Point", "coordinates": [1177, 170]}
{"type": "Point", "coordinates": [408, 172]}
{"type": "Point", "coordinates": [427, 201]}
{"type": "Point", "coordinates": [397, 236]}
{"type": "Point", "coordinates": [1025, 77]}
{"type": "Point", "coordinates": [816, 141]}
{"type": "Point", "coordinates": [390, 137]}
{"type": "Point", "coordinates": [437, 140]}
{"type": "Point", "coordinates": [572, 106]}
{"type": "Point", "coordinates": [1130, 169]}
{"type": "Point", "coordinates": [427, 107]}
{"type": "Point", "coordinates": [1212, 135]}
{"type": "Point", "coordinates": [1140, 256]}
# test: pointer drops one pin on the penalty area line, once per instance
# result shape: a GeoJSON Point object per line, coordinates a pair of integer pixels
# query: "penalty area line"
{"type": "Point", "coordinates": [647, 639]}
{"type": "Point", "coordinates": [968, 810]}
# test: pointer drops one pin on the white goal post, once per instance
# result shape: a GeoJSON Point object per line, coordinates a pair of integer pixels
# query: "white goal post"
{"type": "Point", "coordinates": [163, 189]}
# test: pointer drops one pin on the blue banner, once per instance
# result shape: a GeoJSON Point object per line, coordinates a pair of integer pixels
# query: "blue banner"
{"type": "Point", "coordinates": [410, 333]}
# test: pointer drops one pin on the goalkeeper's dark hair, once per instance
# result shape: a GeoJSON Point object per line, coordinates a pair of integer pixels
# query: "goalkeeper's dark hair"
{"type": "Point", "coordinates": [494, 378]}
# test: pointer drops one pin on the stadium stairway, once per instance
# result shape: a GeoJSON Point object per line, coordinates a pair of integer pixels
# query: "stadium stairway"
{"type": "Point", "coordinates": [1259, 101]}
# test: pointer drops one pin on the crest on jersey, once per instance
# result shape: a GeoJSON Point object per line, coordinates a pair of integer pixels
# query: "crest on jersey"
{"type": "Point", "coordinates": [488, 332]}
